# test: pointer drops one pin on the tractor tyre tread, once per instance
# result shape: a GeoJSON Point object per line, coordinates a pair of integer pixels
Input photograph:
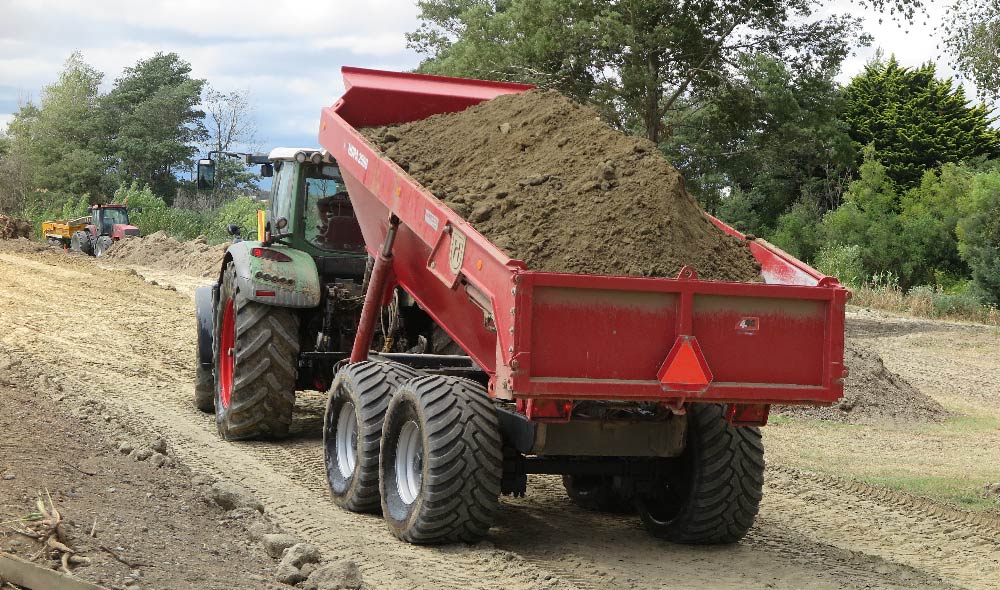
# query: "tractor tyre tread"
{"type": "Point", "coordinates": [265, 369]}
{"type": "Point", "coordinates": [204, 388]}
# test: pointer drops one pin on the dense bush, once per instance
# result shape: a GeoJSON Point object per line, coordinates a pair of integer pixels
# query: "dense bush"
{"type": "Point", "coordinates": [979, 233]}
{"type": "Point", "coordinates": [843, 262]}
{"type": "Point", "coordinates": [186, 224]}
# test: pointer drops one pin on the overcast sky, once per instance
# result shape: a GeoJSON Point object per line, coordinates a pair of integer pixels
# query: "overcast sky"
{"type": "Point", "coordinates": [287, 54]}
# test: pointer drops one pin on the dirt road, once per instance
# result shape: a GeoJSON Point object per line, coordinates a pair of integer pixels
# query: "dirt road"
{"type": "Point", "coordinates": [110, 335]}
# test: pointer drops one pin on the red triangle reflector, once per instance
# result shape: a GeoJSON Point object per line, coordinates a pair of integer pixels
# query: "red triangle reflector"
{"type": "Point", "coordinates": [685, 367]}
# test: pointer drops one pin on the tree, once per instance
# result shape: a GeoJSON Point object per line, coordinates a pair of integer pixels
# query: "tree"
{"type": "Point", "coordinates": [230, 125]}
{"type": "Point", "coordinates": [916, 121]}
{"type": "Point", "coordinates": [643, 62]}
{"type": "Point", "coordinates": [868, 218]}
{"type": "Point", "coordinates": [972, 37]}
{"type": "Point", "coordinates": [54, 145]}
{"type": "Point", "coordinates": [979, 234]}
{"type": "Point", "coordinates": [772, 132]}
{"type": "Point", "coordinates": [154, 121]}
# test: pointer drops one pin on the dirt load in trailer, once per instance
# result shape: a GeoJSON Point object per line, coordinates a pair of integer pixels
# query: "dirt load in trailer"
{"type": "Point", "coordinates": [616, 334]}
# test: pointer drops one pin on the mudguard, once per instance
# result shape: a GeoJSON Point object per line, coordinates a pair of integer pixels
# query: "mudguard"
{"type": "Point", "coordinates": [204, 305]}
{"type": "Point", "coordinates": [282, 283]}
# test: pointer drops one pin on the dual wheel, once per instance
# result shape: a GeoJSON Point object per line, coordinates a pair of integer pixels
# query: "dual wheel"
{"type": "Point", "coordinates": [425, 450]}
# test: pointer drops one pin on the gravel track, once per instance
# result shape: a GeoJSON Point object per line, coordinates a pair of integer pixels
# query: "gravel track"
{"type": "Point", "coordinates": [813, 531]}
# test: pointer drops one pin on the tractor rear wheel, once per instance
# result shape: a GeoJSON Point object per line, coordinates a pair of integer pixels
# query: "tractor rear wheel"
{"type": "Point", "coordinates": [712, 493]}
{"type": "Point", "coordinates": [441, 461]}
{"type": "Point", "coordinates": [256, 358]}
{"type": "Point", "coordinates": [80, 242]}
{"type": "Point", "coordinates": [102, 244]}
{"type": "Point", "coordinates": [596, 492]}
{"type": "Point", "coordinates": [352, 430]}
{"type": "Point", "coordinates": [204, 387]}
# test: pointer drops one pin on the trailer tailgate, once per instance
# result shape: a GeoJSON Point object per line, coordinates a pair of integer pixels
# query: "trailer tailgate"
{"type": "Point", "coordinates": [581, 337]}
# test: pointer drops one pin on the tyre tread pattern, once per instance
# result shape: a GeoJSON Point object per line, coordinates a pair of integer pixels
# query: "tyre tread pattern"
{"type": "Point", "coordinates": [264, 375]}
{"type": "Point", "coordinates": [728, 480]}
{"type": "Point", "coordinates": [462, 482]}
{"type": "Point", "coordinates": [372, 384]}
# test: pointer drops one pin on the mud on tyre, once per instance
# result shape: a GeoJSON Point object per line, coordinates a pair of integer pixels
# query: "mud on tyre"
{"type": "Point", "coordinates": [712, 492]}
{"type": "Point", "coordinates": [352, 430]}
{"type": "Point", "coordinates": [441, 461]}
{"type": "Point", "coordinates": [256, 355]}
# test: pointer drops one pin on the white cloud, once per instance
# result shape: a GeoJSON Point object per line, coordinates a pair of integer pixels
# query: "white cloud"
{"type": "Point", "coordinates": [288, 55]}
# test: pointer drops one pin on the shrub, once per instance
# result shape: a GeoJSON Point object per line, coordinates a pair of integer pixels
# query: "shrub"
{"type": "Point", "coordinates": [242, 211]}
{"type": "Point", "coordinates": [843, 262]}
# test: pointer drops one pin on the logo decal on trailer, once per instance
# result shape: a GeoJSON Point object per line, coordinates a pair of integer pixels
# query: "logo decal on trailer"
{"type": "Point", "coordinates": [357, 156]}
{"type": "Point", "coordinates": [456, 252]}
{"type": "Point", "coordinates": [748, 326]}
{"type": "Point", "coordinates": [430, 219]}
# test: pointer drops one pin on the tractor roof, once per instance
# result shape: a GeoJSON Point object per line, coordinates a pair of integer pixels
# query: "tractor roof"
{"type": "Point", "coordinates": [288, 153]}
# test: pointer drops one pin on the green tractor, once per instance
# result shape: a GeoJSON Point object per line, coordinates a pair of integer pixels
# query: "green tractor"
{"type": "Point", "coordinates": [285, 309]}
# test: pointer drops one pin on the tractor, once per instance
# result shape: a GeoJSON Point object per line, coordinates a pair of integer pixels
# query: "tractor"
{"type": "Point", "coordinates": [285, 309]}
{"type": "Point", "coordinates": [107, 225]}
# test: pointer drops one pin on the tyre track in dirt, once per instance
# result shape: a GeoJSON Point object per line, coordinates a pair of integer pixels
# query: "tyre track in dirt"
{"type": "Point", "coordinates": [140, 363]}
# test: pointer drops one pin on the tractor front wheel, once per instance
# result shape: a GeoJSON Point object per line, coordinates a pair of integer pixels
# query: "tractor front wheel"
{"type": "Point", "coordinates": [256, 358]}
{"type": "Point", "coordinates": [711, 493]}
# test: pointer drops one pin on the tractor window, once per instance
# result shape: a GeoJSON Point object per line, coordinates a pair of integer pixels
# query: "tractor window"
{"type": "Point", "coordinates": [281, 194]}
{"type": "Point", "coordinates": [115, 216]}
{"type": "Point", "coordinates": [329, 217]}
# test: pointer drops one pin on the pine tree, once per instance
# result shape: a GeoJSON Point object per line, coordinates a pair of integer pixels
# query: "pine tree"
{"type": "Point", "coordinates": [916, 121]}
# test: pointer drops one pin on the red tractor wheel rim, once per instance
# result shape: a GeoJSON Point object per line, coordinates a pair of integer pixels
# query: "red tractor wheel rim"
{"type": "Point", "coordinates": [227, 353]}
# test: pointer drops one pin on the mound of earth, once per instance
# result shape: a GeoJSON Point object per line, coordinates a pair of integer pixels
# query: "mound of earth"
{"type": "Point", "coordinates": [158, 250]}
{"type": "Point", "coordinates": [550, 184]}
{"type": "Point", "coordinates": [11, 228]}
{"type": "Point", "coordinates": [873, 393]}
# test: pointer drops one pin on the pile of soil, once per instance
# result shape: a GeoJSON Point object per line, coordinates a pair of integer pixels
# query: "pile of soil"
{"type": "Point", "coordinates": [550, 184]}
{"type": "Point", "coordinates": [158, 250]}
{"type": "Point", "coordinates": [873, 394]}
{"type": "Point", "coordinates": [11, 228]}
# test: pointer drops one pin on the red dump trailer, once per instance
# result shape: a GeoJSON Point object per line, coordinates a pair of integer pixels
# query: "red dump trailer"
{"type": "Point", "coordinates": [645, 394]}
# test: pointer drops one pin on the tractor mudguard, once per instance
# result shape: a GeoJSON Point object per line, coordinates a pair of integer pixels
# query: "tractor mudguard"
{"type": "Point", "coordinates": [279, 275]}
{"type": "Point", "coordinates": [204, 305]}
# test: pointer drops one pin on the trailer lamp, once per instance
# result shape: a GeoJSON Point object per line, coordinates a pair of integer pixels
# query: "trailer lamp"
{"type": "Point", "coordinates": [268, 254]}
{"type": "Point", "coordinates": [259, 293]}
{"type": "Point", "coordinates": [316, 158]}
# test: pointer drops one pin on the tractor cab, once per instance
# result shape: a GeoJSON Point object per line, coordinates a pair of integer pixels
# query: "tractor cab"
{"type": "Point", "coordinates": [111, 220]}
{"type": "Point", "coordinates": [311, 211]}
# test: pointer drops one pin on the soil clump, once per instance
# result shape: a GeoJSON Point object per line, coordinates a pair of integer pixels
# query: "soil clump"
{"type": "Point", "coordinates": [11, 228]}
{"type": "Point", "coordinates": [550, 184]}
{"type": "Point", "coordinates": [873, 394]}
{"type": "Point", "coordinates": [158, 250]}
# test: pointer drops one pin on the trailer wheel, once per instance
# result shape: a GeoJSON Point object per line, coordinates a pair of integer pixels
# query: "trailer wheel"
{"type": "Point", "coordinates": [352, 430]}
{"type": "Point", "coordinates": [256, 358]}
{"type": "Point", "coordinates": [596, 492]}
{"type": "Point", "coordinates": [441, 461]}
{"type": "Point", "coordinates": [204, 388]}
{"type": "Point", "coordinates": [712, 494]}
{"type": "Point", "coordinates": [102, 244]}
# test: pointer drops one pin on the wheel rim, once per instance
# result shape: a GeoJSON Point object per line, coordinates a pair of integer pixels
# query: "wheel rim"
{"type": "Point", "coordinates": [347, 440]}
{"type": "Point", "coordinates": [227, 353]}
{"type": "Point", "coordinates": [409, 463]}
